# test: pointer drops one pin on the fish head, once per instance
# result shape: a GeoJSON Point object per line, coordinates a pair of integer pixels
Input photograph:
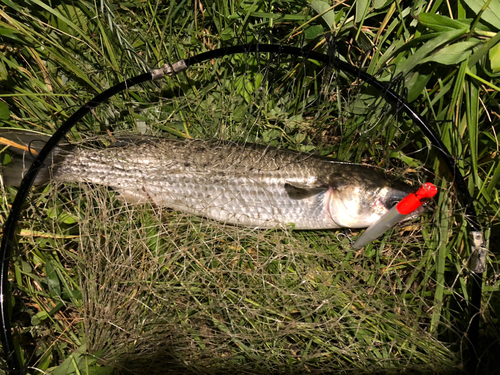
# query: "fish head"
{"type": "Point", "coordinates": [363, 197]}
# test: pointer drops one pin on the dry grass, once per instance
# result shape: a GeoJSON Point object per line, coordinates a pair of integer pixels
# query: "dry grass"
{"type": "Point", "coordinates": [162, 290]}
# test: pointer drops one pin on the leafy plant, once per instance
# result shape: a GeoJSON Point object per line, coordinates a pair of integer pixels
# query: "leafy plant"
{"type": "Point", "coordinates": [99, 283]}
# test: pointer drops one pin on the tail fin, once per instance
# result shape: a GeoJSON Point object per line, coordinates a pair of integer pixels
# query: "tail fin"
{"type": "Point", "coordinates": [18, 149]}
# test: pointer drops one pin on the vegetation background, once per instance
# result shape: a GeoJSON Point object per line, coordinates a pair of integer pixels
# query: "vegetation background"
{"type": "Point", "coordinates": [101, 288]}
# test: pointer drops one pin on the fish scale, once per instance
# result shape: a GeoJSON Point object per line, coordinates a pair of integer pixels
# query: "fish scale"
{"type": "Point", "coordinates": [241, 184]}
{"type": "Point", "coordinates": [207, 181]}
{"type": "Point", "coordinates": [234, 183]}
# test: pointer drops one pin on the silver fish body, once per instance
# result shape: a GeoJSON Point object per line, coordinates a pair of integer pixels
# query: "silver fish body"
{"type": "Point", "coordinates": [234, 183]}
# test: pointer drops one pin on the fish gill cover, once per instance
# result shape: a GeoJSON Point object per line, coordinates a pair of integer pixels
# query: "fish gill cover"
{"type": "Point", "coordinates": [148, 290]}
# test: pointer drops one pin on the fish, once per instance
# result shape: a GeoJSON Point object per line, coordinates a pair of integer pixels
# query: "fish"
{"type": "Point", "coordinates": [235, 183]}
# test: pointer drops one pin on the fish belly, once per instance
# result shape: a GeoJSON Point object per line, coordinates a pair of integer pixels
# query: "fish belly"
{"type": "Point", "coordinates": [240, 201]}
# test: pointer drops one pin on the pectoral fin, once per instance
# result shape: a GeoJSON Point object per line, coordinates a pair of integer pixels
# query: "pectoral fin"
{"type": "Point", "coordinates": [299, 191]}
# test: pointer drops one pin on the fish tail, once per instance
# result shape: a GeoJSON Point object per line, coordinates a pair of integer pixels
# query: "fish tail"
{"type": "Point", "coordinates": [18, 149]}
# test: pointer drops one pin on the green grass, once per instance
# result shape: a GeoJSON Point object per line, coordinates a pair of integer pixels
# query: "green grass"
{"type": "Point", "coordinates": [100, 286]}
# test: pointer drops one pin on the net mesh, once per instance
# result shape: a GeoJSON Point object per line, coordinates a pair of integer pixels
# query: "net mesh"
{"type": "Point", "coordinates": [163, 291]}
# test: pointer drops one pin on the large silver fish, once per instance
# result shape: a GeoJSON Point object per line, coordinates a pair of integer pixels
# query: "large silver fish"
{"type": "Point", "coordinates": [234, 183]}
